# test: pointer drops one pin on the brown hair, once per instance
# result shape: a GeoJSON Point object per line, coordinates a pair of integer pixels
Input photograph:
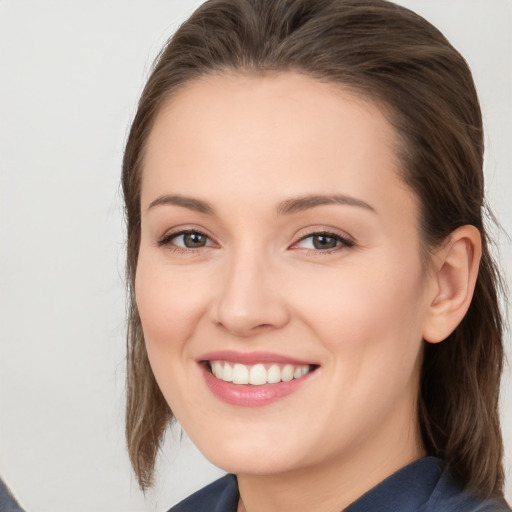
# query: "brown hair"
{"type": "Point", "coordinates": [398, 59]}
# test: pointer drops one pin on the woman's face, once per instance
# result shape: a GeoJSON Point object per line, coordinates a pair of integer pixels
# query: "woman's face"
{"type": "Point", "coordinates": [278, 242]}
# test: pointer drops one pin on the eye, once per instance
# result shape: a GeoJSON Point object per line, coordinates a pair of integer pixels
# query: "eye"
{"type": "Point", "coordinates": [189, 239]}
{"type": "Point", "coordinates": [323, 241]}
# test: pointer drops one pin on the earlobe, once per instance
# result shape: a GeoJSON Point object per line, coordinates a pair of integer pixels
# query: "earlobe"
{"type": "Point", "coordinates": [453, 279]}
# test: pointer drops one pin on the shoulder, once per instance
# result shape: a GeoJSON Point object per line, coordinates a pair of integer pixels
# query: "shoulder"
{"type": "Point", "coordinates": [7, 501]}
{"type": "Point", "coordinates": [448, 496]}
{"type": "Point", "coordinates": [219, 496]}
{"type": "Point", "coordinates": [425, 485]}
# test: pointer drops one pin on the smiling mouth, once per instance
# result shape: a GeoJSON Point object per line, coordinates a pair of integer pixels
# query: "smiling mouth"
{"type": "Point", "coordinates": [257, 374]}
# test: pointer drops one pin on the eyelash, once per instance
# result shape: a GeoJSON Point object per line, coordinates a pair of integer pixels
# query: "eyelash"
{"type": "Point", "coordinates": [341, 242]}
{"type": "Point", "coordinates": [167, 239]}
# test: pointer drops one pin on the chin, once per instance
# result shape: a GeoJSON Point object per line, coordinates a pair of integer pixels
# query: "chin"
{"type": "Point", "coordinates": [249, 464]}
{"type": "Point", "coordinates": [251, 457]}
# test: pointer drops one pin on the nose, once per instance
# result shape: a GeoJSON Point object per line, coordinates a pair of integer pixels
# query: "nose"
{"type": "Point", "coordinates": [250, 301]}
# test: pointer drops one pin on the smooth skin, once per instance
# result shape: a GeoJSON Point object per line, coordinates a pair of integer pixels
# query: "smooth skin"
{"type": "Point", "coordinates": [335, 281]}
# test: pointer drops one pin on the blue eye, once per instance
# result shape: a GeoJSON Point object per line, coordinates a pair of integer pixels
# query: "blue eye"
{"type": "Point", "coordinates": [323, 242]}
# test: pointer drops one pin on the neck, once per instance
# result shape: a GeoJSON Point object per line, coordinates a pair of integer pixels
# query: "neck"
{"type": "Point", "coordinates": [333, 485]}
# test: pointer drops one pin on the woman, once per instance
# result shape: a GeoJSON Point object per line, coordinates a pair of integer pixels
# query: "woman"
{"type": "Point", "coordinates": [312, 295]}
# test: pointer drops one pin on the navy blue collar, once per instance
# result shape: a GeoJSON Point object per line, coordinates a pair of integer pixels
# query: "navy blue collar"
{"type": "Point", "coordinates": [423, 486]}
{"type": "Point", "coordinates": [409, 489]}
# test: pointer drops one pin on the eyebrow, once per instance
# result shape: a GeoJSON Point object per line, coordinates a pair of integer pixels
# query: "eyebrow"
{"type": "Point", "coordinates": [287, 207]}
{"type": "Point", "coordinates": [300, 204]}
{"type": "Point", "coordinates": [185, 202]}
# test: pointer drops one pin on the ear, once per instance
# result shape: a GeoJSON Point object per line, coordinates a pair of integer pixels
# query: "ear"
{"type": "Point", "coordinates": [452, 279]}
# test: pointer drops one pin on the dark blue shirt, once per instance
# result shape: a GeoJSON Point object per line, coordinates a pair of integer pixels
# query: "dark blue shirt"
{"type": "Point", "coordinates": [423, 486]}
{"type": "Point", "coordinates": [7, 501]}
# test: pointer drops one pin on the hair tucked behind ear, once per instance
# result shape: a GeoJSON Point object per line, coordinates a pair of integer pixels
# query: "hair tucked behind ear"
{"type": "Point", "coordinates": [393, 56]}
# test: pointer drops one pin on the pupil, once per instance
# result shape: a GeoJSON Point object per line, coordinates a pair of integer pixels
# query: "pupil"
{"type": "Point", "coordinates": [194, 240]}
{"type": "Point", "coordinates": [324, 242]}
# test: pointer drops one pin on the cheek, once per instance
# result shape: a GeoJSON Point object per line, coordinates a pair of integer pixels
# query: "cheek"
{"type": "Point", "coordinates": [169, 305]}
{"type": "Point", "coordinates": [369, 320]}
{"type": "Point", "coordinates": [369, 311]}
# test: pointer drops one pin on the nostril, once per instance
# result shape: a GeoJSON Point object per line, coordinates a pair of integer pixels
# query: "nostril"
{"type": "Point", "coordinates": [243, 327]}
{"type": "Point", "coordinates": [247, 304]}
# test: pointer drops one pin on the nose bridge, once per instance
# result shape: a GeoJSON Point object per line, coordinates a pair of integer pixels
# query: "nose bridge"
{"type": "Point", "coordinates": [249, 299]}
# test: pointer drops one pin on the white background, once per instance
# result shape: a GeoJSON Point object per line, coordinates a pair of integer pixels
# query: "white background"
{"type": "Point", "coordinates": [70, 75]}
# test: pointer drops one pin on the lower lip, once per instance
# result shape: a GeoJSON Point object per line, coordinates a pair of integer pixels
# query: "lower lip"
{"type": "Point", "coordinates": [247, 395]}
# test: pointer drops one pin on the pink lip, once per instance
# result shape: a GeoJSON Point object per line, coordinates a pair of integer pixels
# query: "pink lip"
{"type": "Point", "coordinates": [246, 395]}
{"type": "Point", "coordinates": [250, 358]}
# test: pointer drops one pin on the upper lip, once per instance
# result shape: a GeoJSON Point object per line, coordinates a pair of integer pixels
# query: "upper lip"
{"type": "Point", "coordinates": [251, 358]}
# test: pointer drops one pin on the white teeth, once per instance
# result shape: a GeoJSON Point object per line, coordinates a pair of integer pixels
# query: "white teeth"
{"type": "Point", "coordinates": [240, 374]}
{"type": "Point", "coordinates": [287, 373]}
{"type": "Point", "coordinates": [300, 371]}
{"type": "Point", "coordinates": [257, 374]}
{"type": "Point", "coordinates": [228, 373]}
{"type": "Point", "coordinates": [274, 374]}
{"type": "Point", "coordinates": [218, 370]}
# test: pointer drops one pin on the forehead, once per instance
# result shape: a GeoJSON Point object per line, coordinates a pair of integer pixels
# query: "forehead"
{"type": "Point", "coordinates": [282, 133]}
{"type": "Point", "coordinates": [289, 104]}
